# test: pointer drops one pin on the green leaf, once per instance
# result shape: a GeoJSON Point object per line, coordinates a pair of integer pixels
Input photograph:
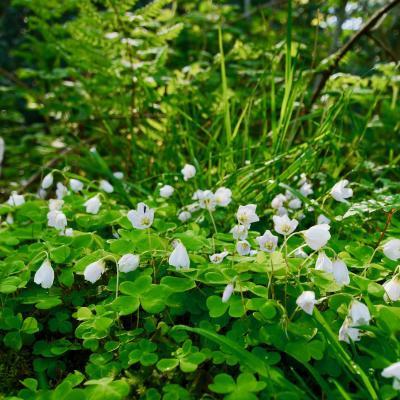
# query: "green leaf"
{"type": "Point", "coordinates": [216, 306]}
{"type": "Point", "coordinates": [30, 326]}
{"type": "Point", "coordinates": [60, 254]}
{"type": "Point", "coordinates": [167, 364]}
{"type": "Point", "coordinates": [223, 383]}
{"type": "Point", "coordinates": [13, 340]}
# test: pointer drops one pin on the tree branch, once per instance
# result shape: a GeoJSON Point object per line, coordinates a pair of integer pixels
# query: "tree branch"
{"type": "Point", "coordinates": [348, 45]}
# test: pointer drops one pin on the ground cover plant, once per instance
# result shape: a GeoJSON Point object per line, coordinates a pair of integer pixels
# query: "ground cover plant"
{"type": "Point", "coordinates": [199, 200]}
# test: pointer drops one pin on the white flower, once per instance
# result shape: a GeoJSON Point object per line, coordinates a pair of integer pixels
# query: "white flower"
{"type": "Point", "coordinates": [278, 201]}
{"type": "Point", "coordinates": [289, 195]}
{"type": "Point", "coordinates": [188, 171]}
{"type": "Point", "coordinates": [61, 191]}
{"type": "Point", "coordinates": [119, 175]}
{"type": "Point", "coordinates": [300, 253]}
{"type": "Point", "coordinates": [317, 236]}
{"type": "Point", "coordinates": [267, 242]}
{"type": "Point", "coordinates": [75, 185]}
{"type": "Point", "coordinates": [193, 207]}
{"type": "Point", "coordinates": [16, 199]}
{"type": "Point", "coordinates": [217, 258]}
{"type": "Point", "coordinates": [323, 220]}
{"type": "Point", "coordinates": [243, 247]}
{"type": "Point", "coordinates": [41, 193]}
{"type": "Point", "coordinates": [393, 371]}
{"type": "Point", "coordinates": [226, 295]}
{"type": "Point", "coordinates": [340, 192]}
{"type": "Point", "coordinates": [392, 249]}
{"type": "Point", "coordinates": [179, 257]}
{"type": "Point", "coordinates": [340, 272]}
{"type": "Point", "coordinates": [55, 204]}
{"type": "Point", "coordinates": [324, 263]}
{"type": "Point", "coordinates": [246, 215]}
{"type": "Point", "coordinates": [166, 191]}
{"type": "Point", "coordinates": [206, 199]}
{"type": "Point", "coordinates": [295, 204]}
{"type": "Point", "coordinates": [223, 196]}
{"type": "Point", "coordinates": [347, 333]}
{"type": "Point", "coordinates": [47, 181]}
{"type": "Point", "coordinates": [94, 271]}
{"type": "Point", "coordinates": [239, 232]}
{"type": "Point", "coordinates": [106, 186]}
{"type": "Point", "coordinates": [44, 276]}
{"type": "Point", "coordinates": [2, 149]}
{"type": "Point", "coordinates": [184, 216]}
{"type": "Point", "coordinates": [359, 314]}
{"type": "Point", "coordinates": [69, 232]}
{"type": "Point", "coordinates": [306, 301]}
{"type": "Point", "coordinates": [281, 211]}
{"type": "Point", "coordinates": [142, 217]}
{"type": "Point", "coordinates": [56, 219]}
{"type": "Point", "coordinates": [392, 289]}
{"type": "Point", "coordinates": [303, 179]}
{"type": "Point", "coordinates": [93, 205]}
{"type": "Point", "coordinates": [284, 225]}
{"type": "Point", "coordinates": [9, 219]}
{"type": "Point", "coordinates": [306, 189]}
{"type": "Point", "coordinates": [128, 262]}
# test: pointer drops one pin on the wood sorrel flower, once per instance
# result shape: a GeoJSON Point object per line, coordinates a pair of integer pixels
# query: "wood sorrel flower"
{"type": "Point", "coordinates": [267, 242]}
{"type": "Point", "coordinates": [284, 225]}
{"type": "Point", "coordinates": [392, 249]}
{"type": "Point", "coordinates": [306, 301]}
{"type": "Point", "coordinates": [179, 257]}
{"type": "Point", "coordinates": [317, 236]}
{"type": "Point", "coordinates": [142, 217]}
{"type": "Point", "coordinates": [188, 171]}
{"type": "Point", "coordinates": [93, 205]}
{"type": "Point", "coordinates": [94, 271]}
{"type": "Point", "coordinates": [44, 276]}
{"type": "Point", "coordinates": [340, 192]}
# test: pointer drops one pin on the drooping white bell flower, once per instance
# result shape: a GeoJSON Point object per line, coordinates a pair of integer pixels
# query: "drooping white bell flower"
{"type": "Point", "coordinates": [69, 232]}
{"type": "Point", "coordinates": [142, 217]}
{"type": "Point", "coordinates": [206, 199]}
{"type": "Point", "coordinates": [61, 190]}
{"type": "Point", "coordinates": [75, 185]}
{"type": "Point", "coordinates": [340, 272]}
{"type": "Point", "coordinates": [239, 232]}
{"type": "Point", "coordinates": [267, 242]}
{"type": "Point", "coordinates": [347, 333]}
{"type": "Point", "coordinates": [179, 257]}
{"type": "Point", "coordinates": [2, 149]}
{"type": "Point", "coordinates": [106, 186]}
{"type": "Point", "coordinates": [340, 192]}
{"type": "Point", "coordinates": [57, 219]}
{"type": "Point", "coordinates": [47, 181]}
{"type": "Point", "coordinates": [393, 371]}
{"type": "Point", "coordinates": [119, 175]}
{"type": "Point", "coordinates": [284, 225]}
{"type": "Point", "coordinates": [217, 258]}
{"type": "Point", "coordinates": [55, 204]}
{"type": "Point", "coordinates": [317, 236]}
{"type": "Point", "coordinates": [323, 220]}
{"type": "Point", "coordinates": [392, 289]}
{"type": "Point", "coordinates": [41, 193]}
{"type": "Point", "coordinates": [278, 201]}
{"type": "Point", "coordinates": [246, 215]}
{"type": "Point", "coordinates": [93, 205]}
{"type": "Point", "coordinates": [9, 219]}
{"type": "Point", "coordinates": [306, 189]}
{"type": "Point", "coordinates": [391, 249]}
{"type": "Point", "coordinates": [223, 196]}
{"type": "Point", "coordinates": [184, 216]}
{"type": "Point", "coordinates": [243, 247]}
{"type": "Point", "coordinates": [306, 301]}
{"type": "Point", "coordinates": [166, 191]}
{"type": "Point", "coordinates": [128, 262]}
{"type": "Point", "coordinates": [294, 204]}
{"type": "Point", "coordinates": [44, 276]}
{"type": "Point", "coordinates": [324, 263]}
{"type": "Point", "coordinates": [226, 295]}
{"type": "Point", "coordinates": [188, 171]}
{"type": "Point", "coordinates": [359, 314]}
{"type": "Point", "coordinates": [94, 271]}
{"type": "Point", "coordinates": [15, 199]}
{"type": "Point", "coordinates": [300, 253]}
{"type": "Point", "coordinates": [281, 211]}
